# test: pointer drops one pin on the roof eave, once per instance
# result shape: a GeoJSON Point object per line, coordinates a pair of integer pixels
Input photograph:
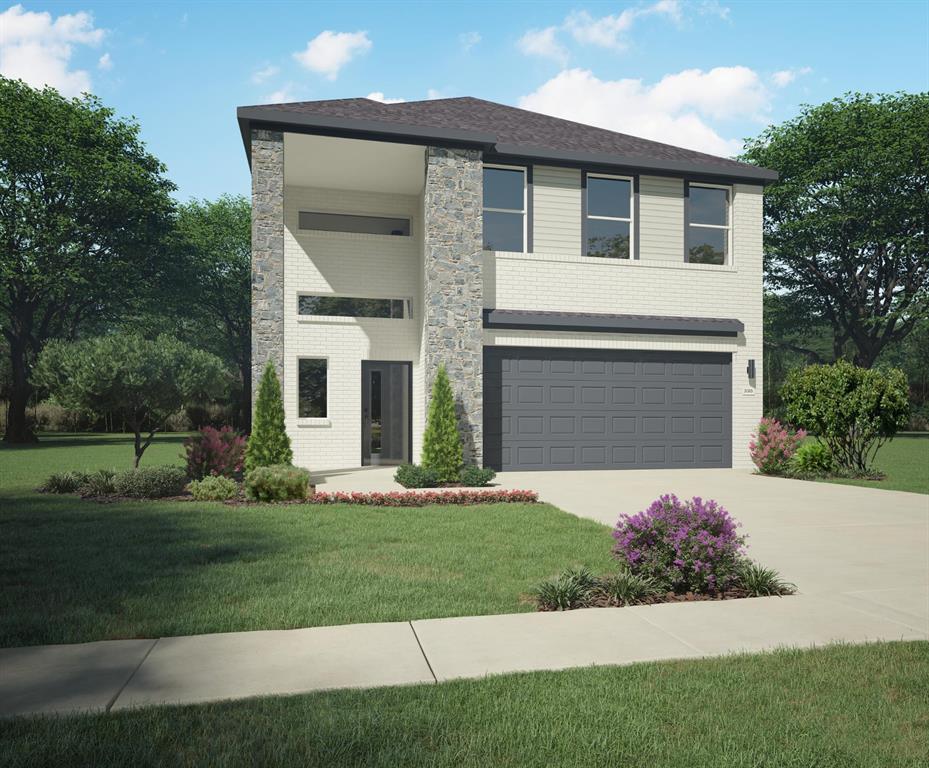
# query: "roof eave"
{"type": "Point", "coordinates": [600, 323]}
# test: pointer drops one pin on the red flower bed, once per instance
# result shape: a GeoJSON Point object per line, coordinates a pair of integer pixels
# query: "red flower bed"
{"type": "Point", "coordinates": [422, 498]}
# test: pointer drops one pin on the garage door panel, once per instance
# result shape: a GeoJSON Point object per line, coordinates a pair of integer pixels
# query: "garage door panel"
{"type": "Point", "coordinates": [587, 409]}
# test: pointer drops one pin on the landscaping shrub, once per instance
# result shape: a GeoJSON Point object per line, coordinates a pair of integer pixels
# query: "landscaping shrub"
{"type": "Point", "coordinates": [424, 498]}
{"type": "Point", "coordinates": [63, 482]}
{"type": "Point", "coordinates": [854, 411]}
{"type": "Point", "coordinates": [416, 476]}
{"type": "Point", "coordinates": [625, 588]}
{"type": "Point", "coordinates": [215, 452]}
{"type": "Point", "coordinates": [773, 445]}
{"type": "Point", "coordinates": [441, 442]}
{"type": "Point", "coordinates": [99, 483]}
{"type": "Point", "coordinates": [150, 482]}
{"type": "Point", "coordinates": [213, 488]}
{"type": "Point", "coordinates": [572, 588]}
{"type": "Point", "coordinates": [686, 546]}
{"type": "Point", "coordinates": [813, 458]}
{"type": "Point", "coordinates": [268, 445]}
{"type": "Point", "coordinates": [277, 483]}
{"type": "Point", "coordinates": [477, 477]}
{"type": "Point", "coordinates": [758, 581]}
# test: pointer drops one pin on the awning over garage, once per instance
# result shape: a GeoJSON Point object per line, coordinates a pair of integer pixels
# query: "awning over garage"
{"type": "Point", "coordinates": [583, 321]}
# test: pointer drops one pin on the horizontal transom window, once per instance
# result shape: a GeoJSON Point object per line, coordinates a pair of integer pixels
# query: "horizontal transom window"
{"type": "Point", "coordinates": [351, 306]}
{"type": "Point", "coordinates": [345, 222]}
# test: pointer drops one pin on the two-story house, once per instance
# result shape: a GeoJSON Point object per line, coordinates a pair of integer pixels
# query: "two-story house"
{"type": "Point", "coordinates": [595, 297]}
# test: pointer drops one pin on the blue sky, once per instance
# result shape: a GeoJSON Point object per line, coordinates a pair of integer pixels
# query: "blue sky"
{"type": "Point", "coordinates": [699, 74]}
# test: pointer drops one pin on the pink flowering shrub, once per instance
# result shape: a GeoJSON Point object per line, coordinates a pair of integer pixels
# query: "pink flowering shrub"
{"type": "Point", "coordinates": [422, 498]}
{"type": "Point", "coordinates": [773, 445]}
{"type": "Point", "coordinates": [686, 546]}
{"type": "Point", "coordinates": [212, 451]}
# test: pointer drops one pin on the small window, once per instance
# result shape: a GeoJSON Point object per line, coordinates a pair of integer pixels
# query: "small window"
{"type": "Point", "coordinates": [348, 306]}
{"type": "Point", "coordinates": [608, 228]}
{"type": "Point", "coordinates": [343, 222]}
{"type": "Point", "coordinates": [504, 209]}
{"type": "Point", "coordinates": [707, 224]}
{"type": "Point", "coordinates": [311, 388]}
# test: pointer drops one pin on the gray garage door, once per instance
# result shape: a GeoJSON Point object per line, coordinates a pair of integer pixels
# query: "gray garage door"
{"type": "Point", "coordinates": [606, 409]}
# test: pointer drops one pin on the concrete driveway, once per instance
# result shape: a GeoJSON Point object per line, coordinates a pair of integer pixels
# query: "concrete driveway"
{"type": "Point", "coordinates": [855, 544]}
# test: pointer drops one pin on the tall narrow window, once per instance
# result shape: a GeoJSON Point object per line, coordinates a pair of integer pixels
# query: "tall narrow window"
{"type": "Point", "coordinates": [311, 388]}
{"type": "Point", "coordinates": [608, 228]}
{"type": "Point", "coordinates": [504, 209]}
{"type": "Point", "coordinates": [707, 224]}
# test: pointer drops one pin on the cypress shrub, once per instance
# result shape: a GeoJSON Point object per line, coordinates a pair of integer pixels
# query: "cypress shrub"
{"type": "Point", "coordinates": [268, 445]}
{"type": "Point", "coordinates": [442, 451]}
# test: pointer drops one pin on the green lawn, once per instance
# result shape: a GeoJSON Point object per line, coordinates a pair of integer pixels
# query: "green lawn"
{"type": "Point", "coordinates": [840, 707]}
{"type": "Point", "coordinates": [904, 461]}
{"type": "Point", "coordinates": [73, 571]}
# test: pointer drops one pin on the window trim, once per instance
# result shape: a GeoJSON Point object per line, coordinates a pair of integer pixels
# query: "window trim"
{"type": "Point", "coordinates": [407, 307]}
{"type": "Point", "coordinates": [367, 214]}
{"type": "Point", "coordinates": [308, 421]}
{"type": "Point", "coordinates": [633, 210]}
{"type": "Point", "coordinates": [730, 189]}
{"type": "Point", "coordinates": [527, 201]}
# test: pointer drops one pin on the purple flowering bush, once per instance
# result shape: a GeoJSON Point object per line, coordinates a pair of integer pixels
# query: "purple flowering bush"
{"type": "Point", "coordinates": [687, 546]}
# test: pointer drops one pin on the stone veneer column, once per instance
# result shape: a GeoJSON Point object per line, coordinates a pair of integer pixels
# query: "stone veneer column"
{"type": "Point", "coordinates": [453, 284]}
{"type": "Point", "coordinates": [267, 253]}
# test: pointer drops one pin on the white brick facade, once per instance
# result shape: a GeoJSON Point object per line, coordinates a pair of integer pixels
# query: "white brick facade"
{"type": "Point", "coordinates": [555, 278]}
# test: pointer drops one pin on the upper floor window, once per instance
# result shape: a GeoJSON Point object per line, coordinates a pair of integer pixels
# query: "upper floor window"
{"type": "Point", "coordinates": [349, 306]}
{"type": "Point", "coordinates": [504, 208]}
{"type": "Point", "coordinates": [347, 222]}
{"type": "Point", "coordinates": [707, 224]}
{"type": "Point", "coordinates": [608, 224]}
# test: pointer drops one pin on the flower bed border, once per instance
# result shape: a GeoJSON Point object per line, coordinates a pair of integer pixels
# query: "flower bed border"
{"type": "Point", "coordinates": [424, 498]}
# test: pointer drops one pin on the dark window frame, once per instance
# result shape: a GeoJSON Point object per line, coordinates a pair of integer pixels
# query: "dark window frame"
{"type": "Point", "coordinates": [527, 203]}
{"type": "Point", "coordinates": [730, 199]}
{"type": "Point", "coordinates": [405, 305]}
{"type": "Point", "coordinates": [315, 359]}
{"type": "Point", "coordinates": [633, 210]}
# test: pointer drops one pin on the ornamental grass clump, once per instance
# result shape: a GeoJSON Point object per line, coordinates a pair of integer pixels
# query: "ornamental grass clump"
{"type": "Point", "coordinates": [773, 445]}
{"type": "Point", "coordinates": [686, 546]}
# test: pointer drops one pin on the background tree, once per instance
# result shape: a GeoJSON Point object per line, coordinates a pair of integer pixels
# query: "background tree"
{"type": "Point", "coordinates": [268, 444]}
{"type": "Point", "coordinates": [442, 452]}
{"type": "Point", "coordinates": [83, 212]}
{"type": "Point", "coordinates": [142, 381]}
{"type": "Point", "coordinates": [847, 222]}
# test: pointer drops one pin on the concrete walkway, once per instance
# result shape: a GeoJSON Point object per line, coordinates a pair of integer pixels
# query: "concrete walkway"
{"type": "Point", "coordinates": [859, 556]}
{"type": "Point", "coordinates": [122, 674]}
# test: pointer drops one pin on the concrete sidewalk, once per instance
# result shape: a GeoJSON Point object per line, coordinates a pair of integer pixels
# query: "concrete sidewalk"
{"type": "Point", "coordinates": [121, 674]}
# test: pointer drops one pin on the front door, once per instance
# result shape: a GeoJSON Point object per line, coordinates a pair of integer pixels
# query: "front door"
{"type": "Point", "coordinates": [385, 412]}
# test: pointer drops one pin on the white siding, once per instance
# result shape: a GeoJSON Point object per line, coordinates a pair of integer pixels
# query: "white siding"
{"type": "Point", "coordinates": [556, 196]}
{"type": "Point", "coordinates": [373, 266]}
{"type": "Point", "coordinates": [542, 281]}
{"type": "Point", "coordinates": [661, 219]}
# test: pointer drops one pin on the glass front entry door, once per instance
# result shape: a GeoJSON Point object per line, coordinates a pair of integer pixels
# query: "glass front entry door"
{"type": "Point", "coordinates": [385, 412]}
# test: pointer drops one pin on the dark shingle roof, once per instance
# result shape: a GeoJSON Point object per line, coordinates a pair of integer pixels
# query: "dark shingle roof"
{"type": "Point", "coordinates": [512, 131]}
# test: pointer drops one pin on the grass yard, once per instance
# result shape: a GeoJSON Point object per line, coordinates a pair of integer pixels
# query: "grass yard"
{"type": "Point", "coordinates": [905, 461]}
{"type": "Point", "coordinates": [73, 571]}
{"type": "Point", "coordinates": [839, 707]}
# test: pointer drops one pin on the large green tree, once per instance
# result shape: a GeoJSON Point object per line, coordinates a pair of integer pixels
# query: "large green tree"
{"type": "Point", "coordinates": [847, 222]}
{"type": "Point", "coordinates": [141, 380]}
{"type": "Point", "coordinates": [84, 209]}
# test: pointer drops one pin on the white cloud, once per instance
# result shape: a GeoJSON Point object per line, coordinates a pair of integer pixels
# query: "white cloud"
{"type": "Point", "coordinates": [264, 73]}
{"type": "Point", "coordinates": [543, 42]}
{"type": "Point", "coordinates": [785, 77]}
{"type": "Point", "coordinates": [713, 8]}
{"type": "Point", "coordinates": [434, 93]}
{"type": "Point", "coordinates": [105, 62]}
{"type": "Point", "coordinates": [329, 51]}
{"type": "Point", "coordinates": [610, 31]}
{"type": "Point", "coordinates": [673, 110]}
{"type": "Point", "coordinates": [281, 95]}
{"type": "Point", "coordinates": [38, 49]}
{"type": "Point", "coordinates": [379, 96]}
{"type": "Point", "coordinates": [468, 40]}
